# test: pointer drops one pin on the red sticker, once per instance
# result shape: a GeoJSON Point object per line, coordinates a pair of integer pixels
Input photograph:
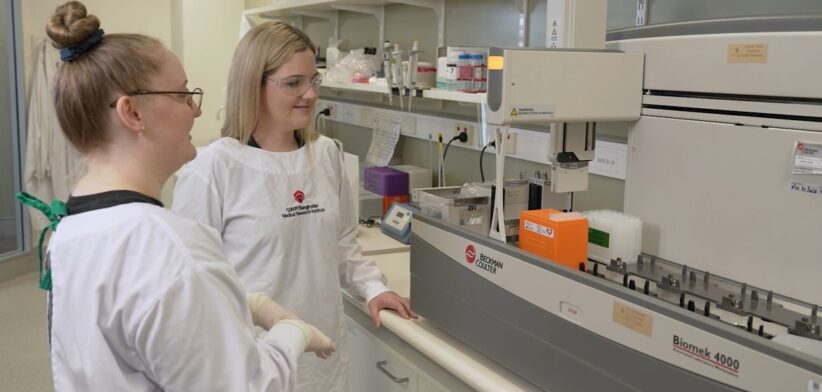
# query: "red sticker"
{"type": "Point", "coordinates": [470, 254]}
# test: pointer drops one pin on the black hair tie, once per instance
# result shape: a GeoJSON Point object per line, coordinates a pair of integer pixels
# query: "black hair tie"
{"type": "Point", "coordinates": [72, 52]}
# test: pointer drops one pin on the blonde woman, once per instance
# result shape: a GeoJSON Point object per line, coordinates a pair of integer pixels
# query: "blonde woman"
{"type": "Point", "coordinates": [139, 298]}
{"type": "Point", "coordinates": [277, 193]}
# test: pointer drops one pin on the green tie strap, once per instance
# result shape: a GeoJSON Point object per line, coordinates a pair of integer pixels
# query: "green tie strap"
{"type": "Point", "coordinates": [53, 213]}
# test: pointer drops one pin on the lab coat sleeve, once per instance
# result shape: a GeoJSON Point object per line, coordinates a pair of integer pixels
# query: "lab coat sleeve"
{"type": "Point", "coordinates": [356, 271]}
{"type": "Point", "coordinates": [196, 197]}
{"type": "Point", "coordinates": [198, 337]}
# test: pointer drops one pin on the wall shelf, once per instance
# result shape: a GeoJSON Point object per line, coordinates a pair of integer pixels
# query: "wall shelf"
{"type": "Point", "coordinates": [382, 88]}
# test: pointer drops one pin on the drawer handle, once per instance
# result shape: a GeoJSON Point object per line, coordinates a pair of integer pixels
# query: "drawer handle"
{"type": "Point", "coordinates": [381, 366]}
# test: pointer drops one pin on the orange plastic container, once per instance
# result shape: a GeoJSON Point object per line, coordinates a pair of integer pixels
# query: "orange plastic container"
{"type": "Point", "coordinates": [388, 200]}
{"type": "Point", "coordinates": [555, 235]}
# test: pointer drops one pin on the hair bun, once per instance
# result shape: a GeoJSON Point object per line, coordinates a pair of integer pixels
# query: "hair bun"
{"type": "Point", "coordinates": [70, 25]}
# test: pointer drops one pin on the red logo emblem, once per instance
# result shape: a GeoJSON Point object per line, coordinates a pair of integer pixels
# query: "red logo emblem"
{"type": "Point", "coordinates": [470, 254]}
{"type": "Point", "coordinates": [800, 146]}
{"type": "Point", "coordinates": [299, 196]}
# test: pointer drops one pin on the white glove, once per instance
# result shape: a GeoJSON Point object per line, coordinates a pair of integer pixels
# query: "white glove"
{"type": "Point", "coordinates": [265, 312]}
{"type": "Point", "coordinates": [315, 341]}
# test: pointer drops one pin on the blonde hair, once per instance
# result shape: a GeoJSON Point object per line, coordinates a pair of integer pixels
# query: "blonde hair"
{"type": "Point", "coordinates": [88, 84]}
{"type": "Point", "coordinates": [261, 52]}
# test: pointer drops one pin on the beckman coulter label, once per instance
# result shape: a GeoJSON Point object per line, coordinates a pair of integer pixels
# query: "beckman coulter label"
{"type": "Point", "coordinates": [481, 261]}
{"type": "Point", "coordinates": [470, 254]}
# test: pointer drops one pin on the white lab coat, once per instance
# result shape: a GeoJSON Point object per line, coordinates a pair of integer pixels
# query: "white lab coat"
{"type": "Point", "coordinates": [52, 166]}
{"type": "Point", "coordinates": [143, 300]}
{"type": "Point", "coordinates": [288, 227]}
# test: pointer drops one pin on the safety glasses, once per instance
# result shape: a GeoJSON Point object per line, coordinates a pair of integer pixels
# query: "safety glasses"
{"type": "Point", "coordinates": [297, 85]}
{"type": "Point", "coordinates": [194, 98]}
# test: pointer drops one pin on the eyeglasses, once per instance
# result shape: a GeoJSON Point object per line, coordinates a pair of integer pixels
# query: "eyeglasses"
{"type": "Point", "coordinates": [298, 85]}
{"type": "Point", "coordinates": [194, 98]}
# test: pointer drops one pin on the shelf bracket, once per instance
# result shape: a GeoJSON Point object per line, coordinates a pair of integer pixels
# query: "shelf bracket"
{"type": "Point", "coordinates": [377, 11]}
{"type": "Point", "coordinates": [641, 12]}
{"type": "Point", "coordinates": [331, 16]}
{"type": "Point", "coordinates": [438, 6]}
{"type": "Point", "coordinates": [525, 7]}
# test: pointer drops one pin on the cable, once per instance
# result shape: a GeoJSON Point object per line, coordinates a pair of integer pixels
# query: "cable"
{"type": "Point", "coordinates": [492, 143]}
{"type": "Point", "coordinates": [324, 112]}
{"type": "Point", "coordinates": [373, 221]}
{"type": "Point", "coordinates": [440, 169]}
{"type": "Point", "coordinates": [572, 202]}
{"type": "Point", "coordinates": [463, 137]}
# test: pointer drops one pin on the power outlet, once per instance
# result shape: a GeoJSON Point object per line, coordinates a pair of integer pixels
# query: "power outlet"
{"type": "Point", "coordinates": [510, 143]}
{"type": "Point", "coordinates": [468, 129]}
{"type": "Point", "coordinates": [367, 117]}
{"type": "Point", "coordinates": [408, 125]}
{"type": "Point", "coordinates": [333, 110]}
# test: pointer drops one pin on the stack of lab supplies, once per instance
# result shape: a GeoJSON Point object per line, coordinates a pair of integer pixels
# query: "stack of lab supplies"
{"type": "Point", "coordinates": [613, 235]}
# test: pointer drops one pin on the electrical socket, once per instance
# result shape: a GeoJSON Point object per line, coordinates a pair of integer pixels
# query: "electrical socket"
{"type": "Point", "coordinates": [367, 117]}
{"type": "Point", "coordinates": [468, 129]}
{"type": "Point", "coordinates": [333, 109]}
{"type": "Point", "coordinates": [408, 125]}
{"type": "Point", "coordinates": [510, 143]}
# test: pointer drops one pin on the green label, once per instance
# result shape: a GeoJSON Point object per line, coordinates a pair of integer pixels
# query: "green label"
{"type": "Point", "coordinates": [599, 237]}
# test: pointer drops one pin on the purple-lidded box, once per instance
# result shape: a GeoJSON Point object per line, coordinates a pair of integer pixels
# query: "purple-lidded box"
{"type": "Point", "coordinates": [385, 181]}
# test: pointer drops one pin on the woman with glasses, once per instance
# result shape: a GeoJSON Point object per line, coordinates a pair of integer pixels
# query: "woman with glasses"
{"type": "Point", "coordinates": [140, 298]}
{"type": "Point", "coordinates": [277, 193]}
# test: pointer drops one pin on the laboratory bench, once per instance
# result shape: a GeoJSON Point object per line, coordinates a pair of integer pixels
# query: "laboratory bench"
{"type": "Point", "coordinates": [374, 242]}
{"type": "Point", "coordinates": [411, 355]}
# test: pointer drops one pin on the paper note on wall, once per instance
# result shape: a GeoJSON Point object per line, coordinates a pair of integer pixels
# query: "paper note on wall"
{"type": "Point", "coordinates": [383, 140]}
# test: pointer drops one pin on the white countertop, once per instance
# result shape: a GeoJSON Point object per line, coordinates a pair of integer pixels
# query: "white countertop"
{"type": "Point", "coordinates": [463, 362]}
{"type": "Point", "coordinates": [374, 242]}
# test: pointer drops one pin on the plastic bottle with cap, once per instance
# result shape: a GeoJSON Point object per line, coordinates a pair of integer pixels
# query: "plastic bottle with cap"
{"type": "Point", "coordinates": [479, 72]}
{"type": "Point", "coordinates": [464, 72]}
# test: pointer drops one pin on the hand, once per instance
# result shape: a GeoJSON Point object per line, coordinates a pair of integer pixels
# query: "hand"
{"type": "Point", "coordinates": [320, 344]}
{"type": "Point", "coordinates": [390, 300]}
{"type": "Point", "coordinates": [315, 341]}
{"type": "Point", "coordinates": [265, 312]}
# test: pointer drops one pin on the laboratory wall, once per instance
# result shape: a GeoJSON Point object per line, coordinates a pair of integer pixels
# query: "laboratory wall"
{"type": "Point", "coordinates": [202, 33]}
{"type": "Point", "coordinates": [205, 35]}
{"type": "Point", "coordinates": [151, 17]}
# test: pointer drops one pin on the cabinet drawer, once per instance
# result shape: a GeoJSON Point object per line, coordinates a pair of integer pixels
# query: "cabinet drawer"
{"type": "Point", "coordinates": [373, 369]}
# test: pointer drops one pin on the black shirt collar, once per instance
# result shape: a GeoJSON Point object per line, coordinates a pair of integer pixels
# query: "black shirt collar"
{"type": "Point", "coordinates": [253, 142]}
{"type": "Point", "coordinates": [80, 204]}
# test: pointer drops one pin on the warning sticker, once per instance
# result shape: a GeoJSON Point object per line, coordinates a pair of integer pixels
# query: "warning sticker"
{"type": "Point", "coordinates": [748, 53]}
{"type": "Point", "coordinates": [634, 319]}
{"type": "Point", "coordinates": [534, 110]}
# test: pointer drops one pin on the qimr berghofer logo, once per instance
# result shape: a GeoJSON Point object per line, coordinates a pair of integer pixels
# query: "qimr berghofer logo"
{"type": "Point", "coordinates": [299, 196]}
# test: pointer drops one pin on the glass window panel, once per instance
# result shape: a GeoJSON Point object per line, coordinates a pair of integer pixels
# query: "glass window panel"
{"type": "Point", "coordinates": [11, 226]}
